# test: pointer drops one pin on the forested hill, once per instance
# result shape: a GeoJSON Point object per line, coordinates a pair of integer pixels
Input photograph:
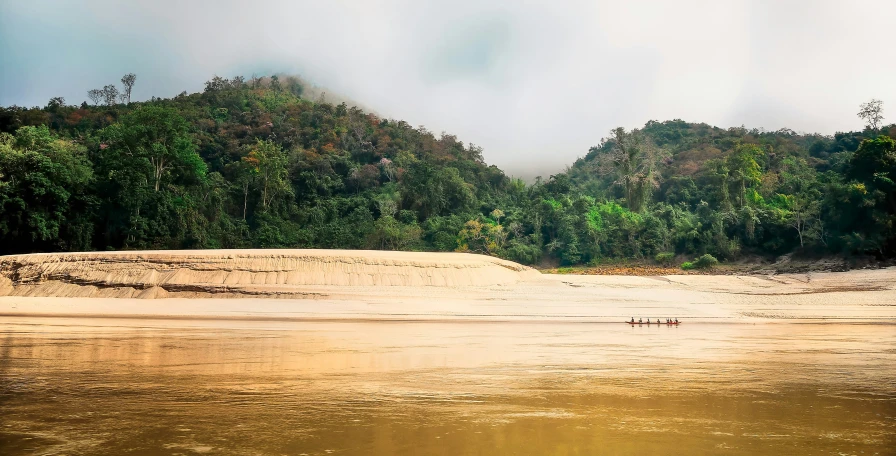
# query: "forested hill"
{"type": "Point", "coordinates": [251, 163]}
{"type": "Point", "coordinates": [682, 187]}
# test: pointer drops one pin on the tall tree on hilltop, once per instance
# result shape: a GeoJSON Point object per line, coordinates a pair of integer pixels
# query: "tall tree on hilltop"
{"type": "Point", "coordinates": [872, 113]}
{"type": "Point", "coordinates": [110, 94]}
{"type": "Point", "coordinates": [95, 95]}
{"type": "Point", "coordinates": [127, 81]}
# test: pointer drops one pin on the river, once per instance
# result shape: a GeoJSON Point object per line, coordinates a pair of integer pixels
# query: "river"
{"type": "Point", "coordinates": [116, 386]}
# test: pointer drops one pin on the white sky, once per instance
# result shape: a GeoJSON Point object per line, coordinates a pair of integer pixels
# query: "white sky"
{"type": "Point", "coordinates": [534, 83]}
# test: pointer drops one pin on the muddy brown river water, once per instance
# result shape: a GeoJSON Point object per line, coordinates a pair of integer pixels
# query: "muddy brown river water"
{"type": "Point", "coordinates": [111, 386]}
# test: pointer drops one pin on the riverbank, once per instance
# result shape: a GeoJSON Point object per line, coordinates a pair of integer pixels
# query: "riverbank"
{"type": "Point", "coordinates": [786, 264]}
{"type": "Point", "coordinates": [400, 286]}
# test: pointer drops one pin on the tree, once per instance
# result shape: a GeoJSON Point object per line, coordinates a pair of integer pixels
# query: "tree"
{"type": "Point", "coordinates": [44, 182]}
{"type": "Point", "coordinates": [95, 95]}
{"type": "Point", "coordinates": [390, 234]}
{"type": "Point", "coordinates": [872, 113]}
{"type": "Point", "coordinates": [127, 81]}
{"type": "Point", "coordinates": [216, 83]}
{"type": "Point", "coordinates": [149, 176]}
{"type": "Point", "coordinates": [866, 201]}
{"type": "Point", "coordinates": [481, 237]}
{"type": "Point", "coordinates": [634, 160]}
{"type": "Point", "coordinates": [158, 137]}
{"type": "Point", "coordinates": [798, 188]}
{"type": "Point", "coordinates": [388, 167]}
{"type": "Point", "coordinates": [268, 162]}
{"type": "Point", "coordinates": [242, 174]}
{"type": "Point", "coordinates": [497, 214]}
{"type": "Point", "coordinates": [744, 169]}
{"type": "Point", "coordinates": [875, 163]}
{"type": "Point", "coordinates": [801, 214]}
{"type": "Point", "coordinates": [110, 94]}
{"type": "Point", "coordinates": [55, 103]}
{"type": "Point", "coordinates": [434, 191]}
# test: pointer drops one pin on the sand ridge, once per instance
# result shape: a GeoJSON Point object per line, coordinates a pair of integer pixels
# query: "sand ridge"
{"type": "Point", "coordinates": [274, 272]}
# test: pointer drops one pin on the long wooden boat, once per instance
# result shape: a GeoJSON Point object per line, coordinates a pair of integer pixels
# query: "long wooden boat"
{"type": "Point", "coordinates": [674, 323]}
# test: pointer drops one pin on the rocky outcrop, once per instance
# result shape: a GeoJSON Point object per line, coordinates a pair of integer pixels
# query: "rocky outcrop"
{"type": "Point", "coordinates": [230, 273]}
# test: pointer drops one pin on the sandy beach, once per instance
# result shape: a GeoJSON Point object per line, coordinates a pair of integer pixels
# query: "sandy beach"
{"type": "Point", "coordinates": [412, 286]}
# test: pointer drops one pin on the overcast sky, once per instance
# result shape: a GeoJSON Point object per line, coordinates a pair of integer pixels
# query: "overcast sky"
{"type": "Point", "coordinates": [534, 83]}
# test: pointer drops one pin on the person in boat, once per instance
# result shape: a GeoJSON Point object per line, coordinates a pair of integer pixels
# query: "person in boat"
{"type": "Point", "coordinates": [633, 320]}
{"type": "Point", "coordinates": [657, 321]}
{"type": "Point", "coordinates": [639, 321]}
{"type": "Point", "coordinates": [676, 320]}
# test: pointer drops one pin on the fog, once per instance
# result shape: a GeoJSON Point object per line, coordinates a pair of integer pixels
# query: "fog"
{"type": "Point", "coordinates": [534, 84]}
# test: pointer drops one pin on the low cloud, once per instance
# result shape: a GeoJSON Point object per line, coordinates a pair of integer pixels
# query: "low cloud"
{"type": "Point", "coordinates": [534, 84]}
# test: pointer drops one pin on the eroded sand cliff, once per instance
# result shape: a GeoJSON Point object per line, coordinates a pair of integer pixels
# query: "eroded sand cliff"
{"type": "Point", "coordinates": [222, 273]}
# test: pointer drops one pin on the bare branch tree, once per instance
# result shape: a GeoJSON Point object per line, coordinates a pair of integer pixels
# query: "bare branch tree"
{"type": "Point", "coordinates": [110, 94]}
{"type": "Point", "coordinates": [95, 95]}
{"type": "Point", "coordinates": [872, 113]}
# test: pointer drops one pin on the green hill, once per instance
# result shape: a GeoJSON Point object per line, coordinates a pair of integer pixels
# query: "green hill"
{"type": "Point", "coordinates": [693, 188]}
{"type": "Point", "coordinates": [254, 164]}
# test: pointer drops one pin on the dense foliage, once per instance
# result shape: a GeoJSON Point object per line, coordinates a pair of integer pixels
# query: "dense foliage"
{"type": "Point", "coordinates": [254, 164]}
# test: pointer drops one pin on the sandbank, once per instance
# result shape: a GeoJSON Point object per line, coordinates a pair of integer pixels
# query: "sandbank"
{"type": "Point", "coordinates": [416, 286]}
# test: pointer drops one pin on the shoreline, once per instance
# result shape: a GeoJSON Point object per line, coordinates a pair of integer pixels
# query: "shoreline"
{"type": "Point", "coordinates": [643, 269]}
{"type": "Point", "coordinates": [694, 299]}
{"type": "Point", "coordinates": [301, 285]}
{"type": "Point", "coordinates": [234, 318]}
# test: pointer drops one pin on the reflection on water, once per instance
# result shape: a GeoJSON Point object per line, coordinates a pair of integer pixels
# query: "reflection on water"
{"type": "Point", "coordinates": [108, 386]}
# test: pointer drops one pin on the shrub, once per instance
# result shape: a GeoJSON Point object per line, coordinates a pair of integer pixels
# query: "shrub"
{"type": "Point", "coordinates": [521, 253]}
{"type": "Point", "coordinates": [687, 265]}
{"type": "Point", "coordinates": [664, 258]}
{"type": "Point", "coordinates": [706, 262]}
